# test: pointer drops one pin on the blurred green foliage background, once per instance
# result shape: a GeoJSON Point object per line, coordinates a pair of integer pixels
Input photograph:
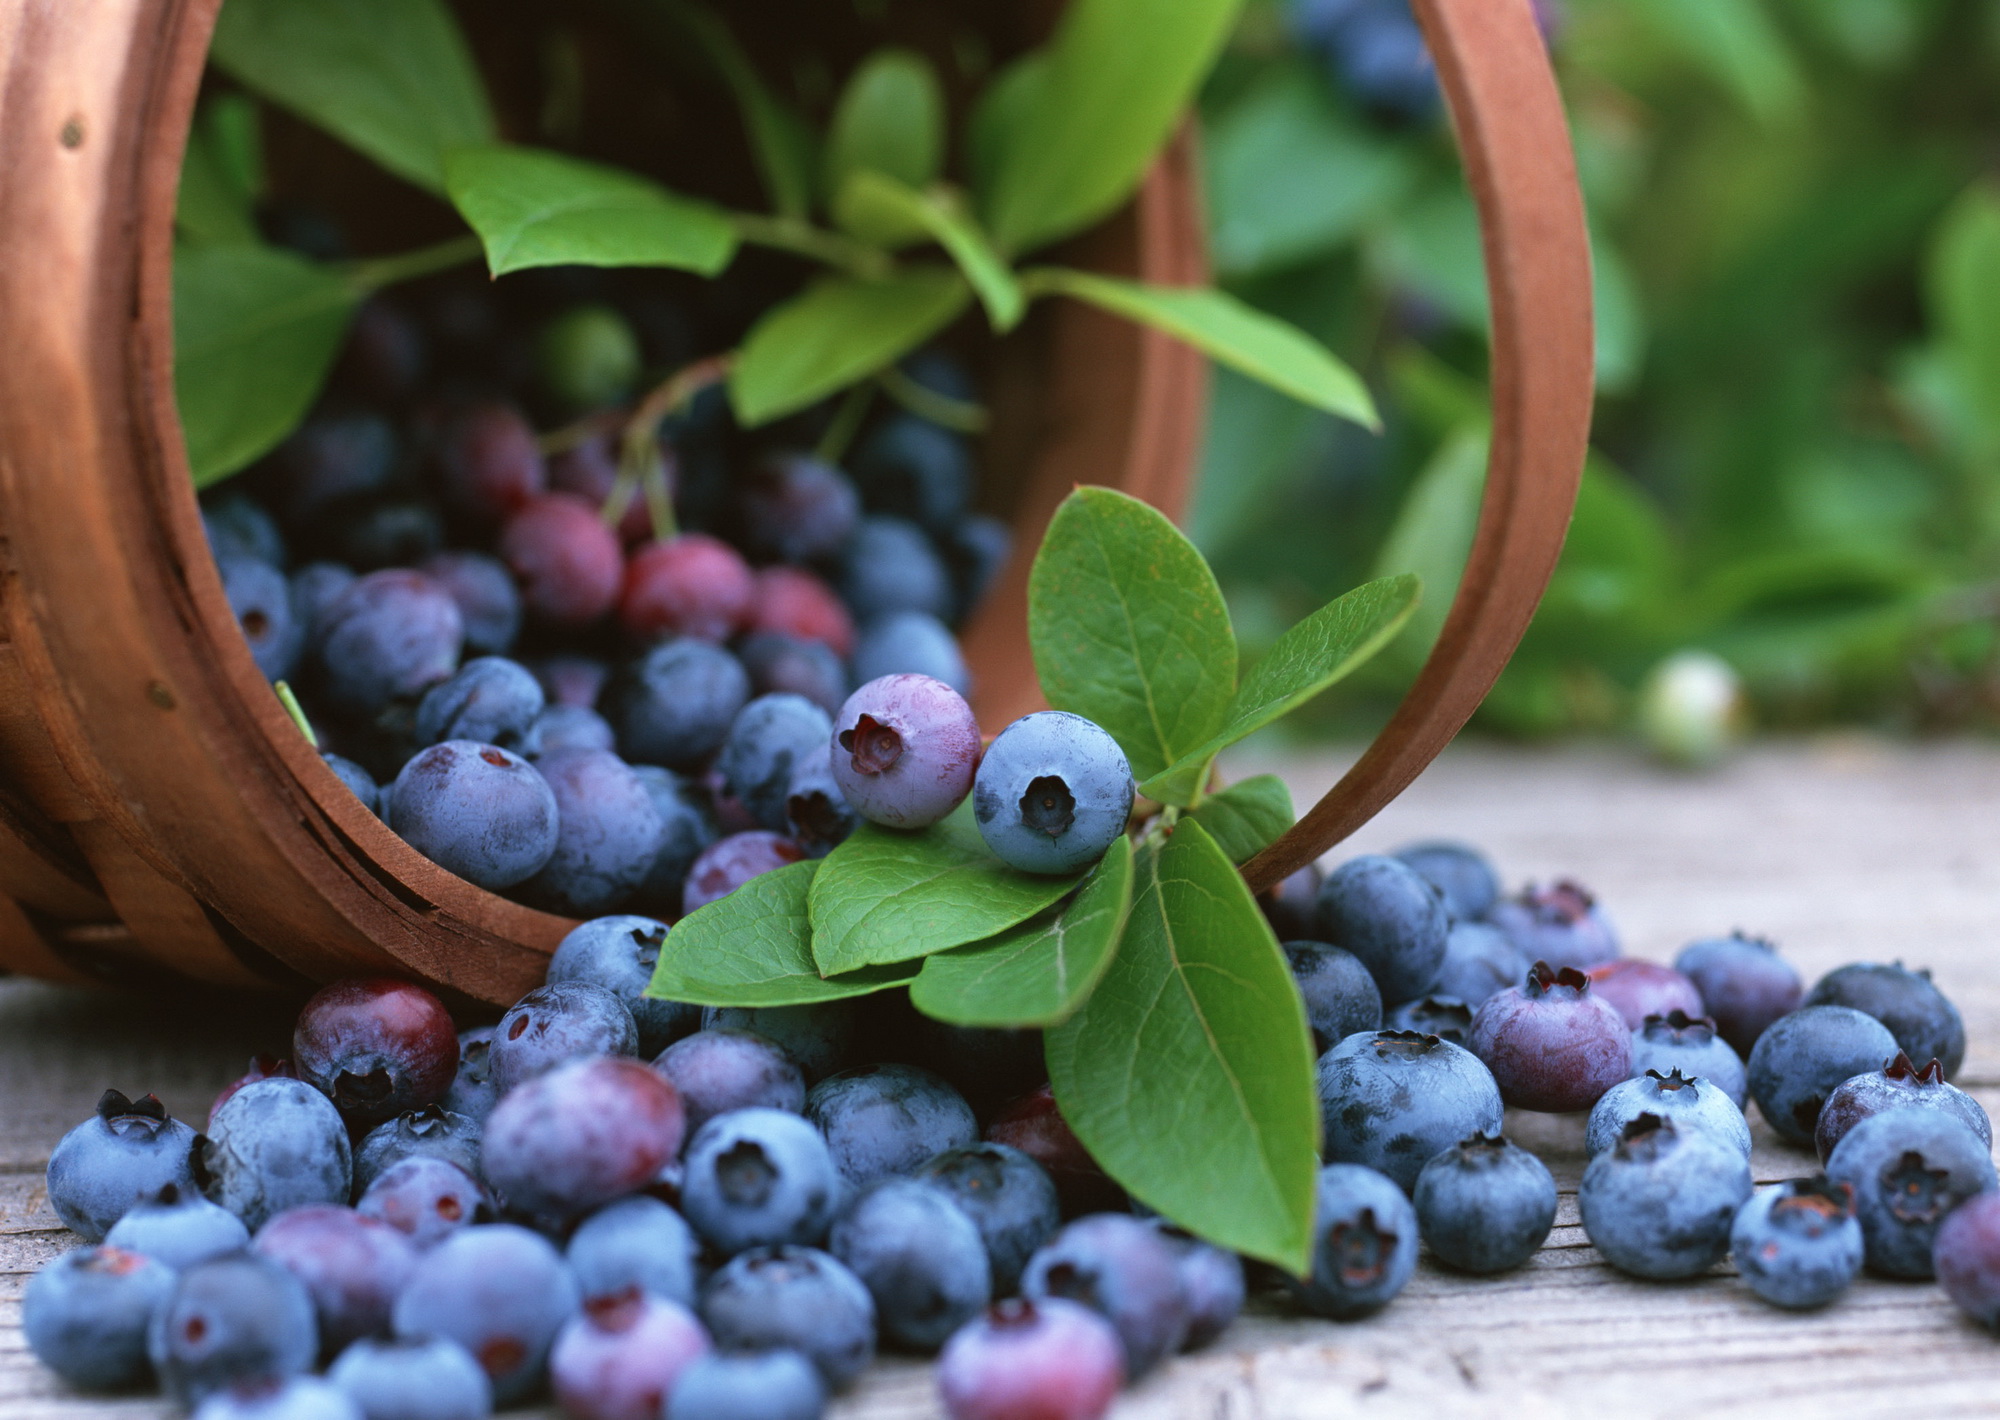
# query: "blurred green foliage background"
{"type": "Point", "coordinates": [1797, 445]}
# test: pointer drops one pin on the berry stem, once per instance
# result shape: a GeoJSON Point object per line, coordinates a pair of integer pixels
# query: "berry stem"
{"type": "Point", "coordinates": [833, 444]}
{"type": "Point", "coordinates": [960, 414]}
{"type": "Point", "coordinates": [801, 238]}
{"type": "Point", "coordinates": [296, 711]}
{"type": "Point", "coordinates": [377, 272]}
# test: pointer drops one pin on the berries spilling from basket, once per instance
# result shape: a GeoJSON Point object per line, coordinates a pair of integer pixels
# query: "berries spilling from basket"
{"type": "Point", "coordinates": [659, 1211]}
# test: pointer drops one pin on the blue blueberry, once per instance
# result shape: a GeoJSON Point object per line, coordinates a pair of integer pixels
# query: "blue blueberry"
{"type": "Point", "coordinates": [976, 549]}
{"type": "Point", "coordinates": [1459, 871]}
{"type": "Point", "coordinates": [674, 704]}
{"type": "Point", "coordinates": [489, 604]}
{"type": "Point", "coordinates": [1479, 961]}
{"type": "Point", "coordinates": [120, 1157]}
{"type": "Point", "coordinates": [237, 1318]}
{"type": "Point", "coordinates": [490, 700]}
{"type": "Point", "coordinates": [1694, 1105]}
{"type": "Point", "coordinates": [1392, 1099]}
{"type": "Point", "coordinates": [920, 1257]}
{"type": "Point", "coordinates": [1798, 1244]}
{"type": "Point", "coordinates": [637, 1243]}
{"type": "Point", "coordinates": [1392, 919]}
{"type": "Point", "coordinates": [261, 601]}
{"type": "Point", "coordinates": [566, 1020]}
{"type": "Point", "coordinates": [390, 636]}
{"type": "Point", "coordinates": [1340, 994]}
{"type": "Point", "coordinates": [1125, 1270]}
{"type": "Point", "coordinates": [1908, 1168]}
{"type": "Point", "coordinates": [1897, 1085]}
{"type": "Point", "coordinates": [1689, 1044]}
{"type": "Point", "coordinates": [1374, 48]}
{"type": "Point", "coordinates": [330, 459]}
{"type": "Point", "coordinates": [1560, 924]}
{"type": "Point", "coordinates": [429, 1130]}
{"type": "Point", "coordinates": [562, 727]}
{"type": "Point", "coordinates": [1010, 1199]}
{"type": "Point", "coordinates": [796, 508]}
{"type": "Point", "coordinates": [1745, 985]}
{"type": "Point", "coordinates": [608, 837]}
{"type": "Point", "coordinates": [499, 1291]}
{"type": "Point", "coordinates": [313, 589]}
{"type": "Point", "coordinates": [1802, 1058]}
{"type": "Point", "coordinates": [1485, 1204]}
{"type": "Point", "coordinates": [85, 1315]}
{"type": "Point", "coordinates": [688, 827]}
{"type": "Point", "coordinates": [1660, 1202]}
{"type": "Point", "coordinates": [888, 1119]}
{"type": "Point", "coordinates": [1292, 907]}
{"type": "Point", "coordinates": [359, 781]}
{"type": "Point", "coordinates": [1364, 1243]}
{"type": "Point", "coordinates": [292, 1398]}
{"type": "Point", "coordinates": [619, 953]}
{"type": "Point", "coordinates": [1212, 1280]}
{"type": "Point", "coordinates": [771, 737]}
{"type": "Point", "coordinates": [424, 1379]}
{"type": "Point", "coordinates": [238, 527]}
{"type": "Point", "coordinates": [1051, 793]}
{"type": "Point", "coordinates": [909, 643]}
{"type": "Point", "coordinates": [1445, 1017]}
{"type": "Point", "coordinates": [178, 1227]}
{"type": "Point", "coordinates": [777, 662]}
{"type": "Point", "coordinates": [274, 1144]}
{"type": "Point", "coordinates": [476, 810]}
{"type": "Point", "coordinates": [352, 1265]}
{"type": "Point", "coordinates": [373, 534]}
{"type": "Point", "coordinates": [793, 1298]}
{"type": "Point", "coordinates": [890, 566]}
{"type": "Point", "coordinates": [819, 1036]}
{"type": "Point", "coordinates": [913, 469]}
{"type": "Point", "coordinates": [427, 1199]}
{"type": "Point", "coordinates": [1926, 1025]}
{"type": "Point", "coordinates": [755, 1177]}
{"type": "Point", "coordinates": [818, 816]}
{"type": "Point", "coordinates": [473, 1092]}
{"type": "Point", "coordinates": [716, 1071]}
{"type": "Point", "coordinates": [757, 1385]}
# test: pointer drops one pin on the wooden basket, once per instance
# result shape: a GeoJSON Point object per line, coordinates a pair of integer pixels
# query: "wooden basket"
{"type": "Point", "coordinates": [160, 817]}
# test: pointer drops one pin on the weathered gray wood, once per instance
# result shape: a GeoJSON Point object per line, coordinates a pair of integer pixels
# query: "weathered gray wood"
{"type": "Point", "coordinates": [1841, 849]}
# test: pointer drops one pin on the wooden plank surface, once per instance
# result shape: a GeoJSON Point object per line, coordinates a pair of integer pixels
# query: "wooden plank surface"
{"type": "Point", "coordinates": [1842, 849]}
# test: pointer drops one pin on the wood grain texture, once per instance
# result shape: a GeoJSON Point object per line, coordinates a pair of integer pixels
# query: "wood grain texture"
{"type": "Point", "coordinates": [1842, 849]}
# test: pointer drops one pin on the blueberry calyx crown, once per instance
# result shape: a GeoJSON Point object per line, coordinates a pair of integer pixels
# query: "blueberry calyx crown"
{"type": "Point", "coordinates": [1674, 1081]}
{"type": "Point", "coordinates": [1816, 1199]}
{"type": "Point", "coordinates": [1676, 1025]}
{"type": "Point", "coordinates": [616, 1311]}
{"type": "Point", "coordinates": [423, 1120]}
{"type": "Point", "coordinates": [1048, 806]}
{"type": "Point", "coordinates": [814, 814]}
{"type": "Point", "coordinates": [649, 941]}
{"type": "Point", "coordinates": [1916, 1192]}
{"type": "Point", "coordinates": [1362, 1250]}
{"type": "Point", "coordinates": [874, 746]}
{"type": "Point", "coordinates": [1902, 1069]}
{"type": "Point", "coordinates": [1404, 1042]}
{"type": "Point", "coordinates": [1012, 1314]}
{"type": "Point", "coordinates": [1483, 1149]}
{"type": "Point", "coordinates": [1564, 901]}
{"type": "Point", "coordinates": [1543, 978]}
{"type": "Point", "coordinates": [113, 1104]}
{"type": "Point", "coordinates": [1646, 1136]}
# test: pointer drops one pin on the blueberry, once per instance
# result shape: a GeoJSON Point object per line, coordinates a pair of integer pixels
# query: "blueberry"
{"type": "Point", "coordinates": [328, 460]}
{"type": "Point", "coordinates": [1485, 1204]}
{"type": "Point", "coordinates": [477, 811]}
{"type": "Point", "coordinates": [756, 1177]}
{"type": "Point", "coordinates": [777, 662]}
{"type": "Point", "coordinates": [488, 463]}
{"type": "Point", "coordinates": [569, 565]}
{"type": "Point", "coordinates": [274, 1144]}
{"type": "Point", "coordinates": [1364, 1243]}
{"type": "Point", "coordinates": [570, 679]}
{"type": "Point", "coordinates": [608, 836]}
{"type": "Point", "coordinates": [238, 527]}
{"type": "Point", "coordinates": [888, 1119]}
{"type": "Point", "coordinates": [292, 1398]}
{"type": "Point", "coordinates": [178, 1227]}
{"type": "Point", "coordinates": [86, 1312]}
{"type": "Point", "coordinates": [620, 1357]}
{"type": "Point", "coordinates": [359, 781]}
{"type": "Point", "coordinates": [619, 954]}
{"type": "Point", "coordinates": [818, 1036]}
{"type": "Point", "coordinates": [1926, 1025]}
{"type": "Point", "coordinates": [728, 863]}
{"type": "Point", "coordinates": [238, 1318]}
{"type": "Point", "coordinates": [1967, 1258]}
{"type": "Point", "coordinates": [588, 356]}
{"type": "Point", "coordinates": [635, 1243]}
{"type": "Point", "coordinates": [1897, 1085]}
{"type": "Point", "coordinates": [1051, 793]}
{"type": "Point", "coordinates": [797, 1298]}
{"type": "Point", "coordinates": [976, 549]}
{"type": "Point", "coordinates": [911, 468]}
{"type": "Point", "coordinates": [990, 1067]}
{"type": "Point", "coordinates": [1561, 925]}
{"type": "Point", "coordinates": [1660, 1202]}
{"type": "Point", "coordinates": [818, 815]}
{"type": "Point", "coordinates": [1909, 1168]}
{"type": "Point", "coordinates": [1292, 907]}
{"type": "Point", "coordinates": [499, 1291]}
{"type": "Point", "coordinates": [427, 1199]}
{"type": "Point", "coordinates": [121, 1156]}
{"type": "Point", "coordinates": [1010, 1199]}
{"type": "Point", "coordinates": [1374, 48]}
{"type": "Point", "coordinates": [1694, 1106]}
{"type": "Point", "coordinates": [798, 608]}
{"type": "Point", "coordinates": [1445, 1017]}
{"type": "Point", "coordinates": [1123, 1269]}
{"type": "Point", "coordinates": [429, 1131]}
{"type": "Point", "coordinates": [1550, 1043]}
{"type": "Point", "coordinates": [490, 700]}
{"type": "Point", "coordinates": [1479, 959]}
{"type": "Point", "coordinates": [796, 508]}
{"type": "Point", "coordinates": [1340, 994]}
{"type": "Point", "coordinates": [1049, 1358]}
{"type": "Point", "coordinates": [716, 1071]}
{"type": "Point", "coordinates": [376, 1046]}
{"type": "Point", "coordinates": [390, 636]}
{"type": "Point", "coordinates": [1639, 989]}
{"type": "Point", "coordinates": [674, 704]}
{"type": "Point", "coordinates": [426, 1379]}
{"type": "Point", "coordinates": [473, 1092]}
{"type": "Point", "coordinates": [770, 738]}
{"type": "Point", "coordinates": [1212, 1280]}
{"type": "Point", "coordinates": [1677, 1041]}
{"type": "Point", "coordinates": [564, 727]}
{"type": "Point", "coordinates": [905, 748]}
{"type": "Point", "coordinates": [1034, 1124]}
{"type": "Point", "coordinates": [1381, 910]}
{"type": "Point", "coordinates": [1745, 985]}
{"type": "Point", "coordinates": [691, 585]}
{"type": "Point", "coordinates": [890, 566]}
{"type": "Point", "coordinates": [580, 1135]}
{"type": "Point", "coordinates": [373, 534]}
{"type": "Point", "coordinates": [761, 1385]}
{"type": "Point", "coordinates": [261, 601]}
{"type": "Point", "coordinates": [1798, 1243]}
{"type": "Point", "coordinates": [921, 1258]}
{"type": "Point", "coordinates": [567, 1020]}
{"type": "Point", "coordinates": [313, 589]}
{"type": "Point", "coordinates": [1391, 1099]}
{"type": "Point", "coordinates": [1801, 1058]}
{"type": "Point", "coordinates": [1460, 872]}
{"type": "Point", "coordinates": [262, 1067]}
{"type": "Point", "coordinates": [910, 643]}
{"type": "Point", "coordinates": [352, 1266]}
{"type": "Point", "coordinates": [488, 604]}
{"type": "Point", "coordinates": [688, 826]}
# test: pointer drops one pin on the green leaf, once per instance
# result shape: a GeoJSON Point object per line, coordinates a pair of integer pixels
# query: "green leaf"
{"type": "Point", "coordinates": [1962, 287]}
{"type": "Point", "coordinates": [781, 142]}
{"type": "Point", "coordinates": [1119, 74]}
{"type": "Point", "coordinates": [1433, 532]}
{"type": "Point", "coordinates": [1739, 46]}
{"type": "Point", "coordinates": [1304, 661]}
{"type": "Point", "coordinates": [889, 896]}
{"type": "Point", "coordinates": [871, 201]}
{"type": "Point", "coordinates": [754, 948]}
{"type": "Point", "coordinates": [1432, 245]}
{"type": "Point", "coordinates": [1038, 973]}
{"type": "Point", "coordinates": [211, 210]}
{"type": "Point", "coordinates": [1003, 109]}
{"type": "Point", "coordinates": [1247, 817]}
{"type": "Point", "coordinates": [1226, 330]}
{"type": "Point", "coordinates": [841, 329]}
{"type": "Point", "coordinates": [532, 207]}
{"type": "Point", "coordinates": [1129, 628]}
{"type": "Point", "coordinates": [890, 120]}
{"type": "Point", "coordinates": [1188, 1074]}
{"type": "Point", "coordinates": [255, 330]}
{"type": "Point", "coordinates": [392, 78]}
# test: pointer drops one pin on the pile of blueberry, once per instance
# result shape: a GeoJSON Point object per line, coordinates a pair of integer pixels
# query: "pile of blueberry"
{"type": "Point", "coordinates": [658, 1211]}
{"type": "Point", "coordinates": [571, 675]}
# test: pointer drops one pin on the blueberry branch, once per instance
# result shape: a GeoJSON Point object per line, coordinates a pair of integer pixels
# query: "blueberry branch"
{"type": "Point", "coordinates": [376, 272]}
{"type": "Point", "coordinates": [801, 238]}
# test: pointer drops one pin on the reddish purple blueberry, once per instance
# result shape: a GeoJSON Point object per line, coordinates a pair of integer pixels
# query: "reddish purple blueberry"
{"type": "Point", "coordinates": [427, 1199]}
{"type": "Point", "coordinates": [1560, 924]}
{"type": "Point", "coordinates": [1745, 985]}
{"type": "Point", "coordinates": [581, 1135]}
{"type": "Point", "coordinates": [376, 1046]}
{"type": "Point", "coordinates": [1051, 1359]}
{"type": "Point", "coordinates": [488, 463]}
{"type": "Point", "coordinates": [796, 508]}
{"type": "Point", "coordinates": [1966, 1256]}
{"type": "Point", "coordinates": [619, 1357]}
{"type": "Point", "coordinates": [1551, 1044]}
{"type": "Point", "coordinates": [691, 585]}
{"type": "Point", "coordinates": [794, 603]}
{"type": "Point", "coordinates": [1639, 989]}
{"type": "Point", "coordinates": [715, 1071]}
{"type": "Point", "coordinates": [488, 602]}
{"type": "Point", "coordinates": [566, 1020]}
{"type": "Point", "coordinates": [1034, 1124]}
{"type": "Point", "coordinates": [905, 750]}
{"type": "Point", "coordinates": [1897, 1085]}
{"type": "Point", "coordinates": [728, 863]}
{"type": "Point", "coordinates": [1125, 1270]}
{"type": "Point", "coordinates": [352, 1266]}
{"type": "Point", "coordinates": [569, 564]}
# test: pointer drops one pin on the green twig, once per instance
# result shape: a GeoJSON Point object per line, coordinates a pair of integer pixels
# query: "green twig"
{"type": "Point", "coordinates": [377, 272]}
{"type": "Point", "coordinates": [960, 414]}
{"type": "Point", "coordinates": [801, 238]}
{"type": "Point", "coordinates": [640, 467]}
{"type": "Point", "coordinates": [296, 711]}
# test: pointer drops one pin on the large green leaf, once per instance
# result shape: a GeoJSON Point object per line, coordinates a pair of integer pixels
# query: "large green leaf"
{"type": "Point", "coordinates": [873, 202]}
{"type": "Point", "coordinates": [219, 177]}
{"type": "Point", "coordinates": [1039, 972]}
{"type": "Point", "coordinates": [393, 78]}
{"type": "Point", "coordinates": [1188, 1074]}
{"type": "Point", "coordinates": [841, 329]}
{"type": "Point", "coordinates": [889, 896]}
{"type": "Point", "coordinates": [532, 207]}
{"type": "Point", "coordinates": [1226, 330]}
{"type": "Point", "coordinates": [1129, 628]}
{"type": "Point", "coordinates": [1119, 74]}
{"type": "Point", "coordinates": [255, 330]}
{"type": "Point", "coordinates": [1247, 817]}
{"type": "Point", "coordinates": [1304, 661]}
{"type": "Point", "coordinates": [754, 948]}
{"type": "Point", "coordinates": [1962, 287]}
{"type": "Point", "coordinates": [890, 120]}
{"type": "Point", "coordinates": [1433, 533]}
